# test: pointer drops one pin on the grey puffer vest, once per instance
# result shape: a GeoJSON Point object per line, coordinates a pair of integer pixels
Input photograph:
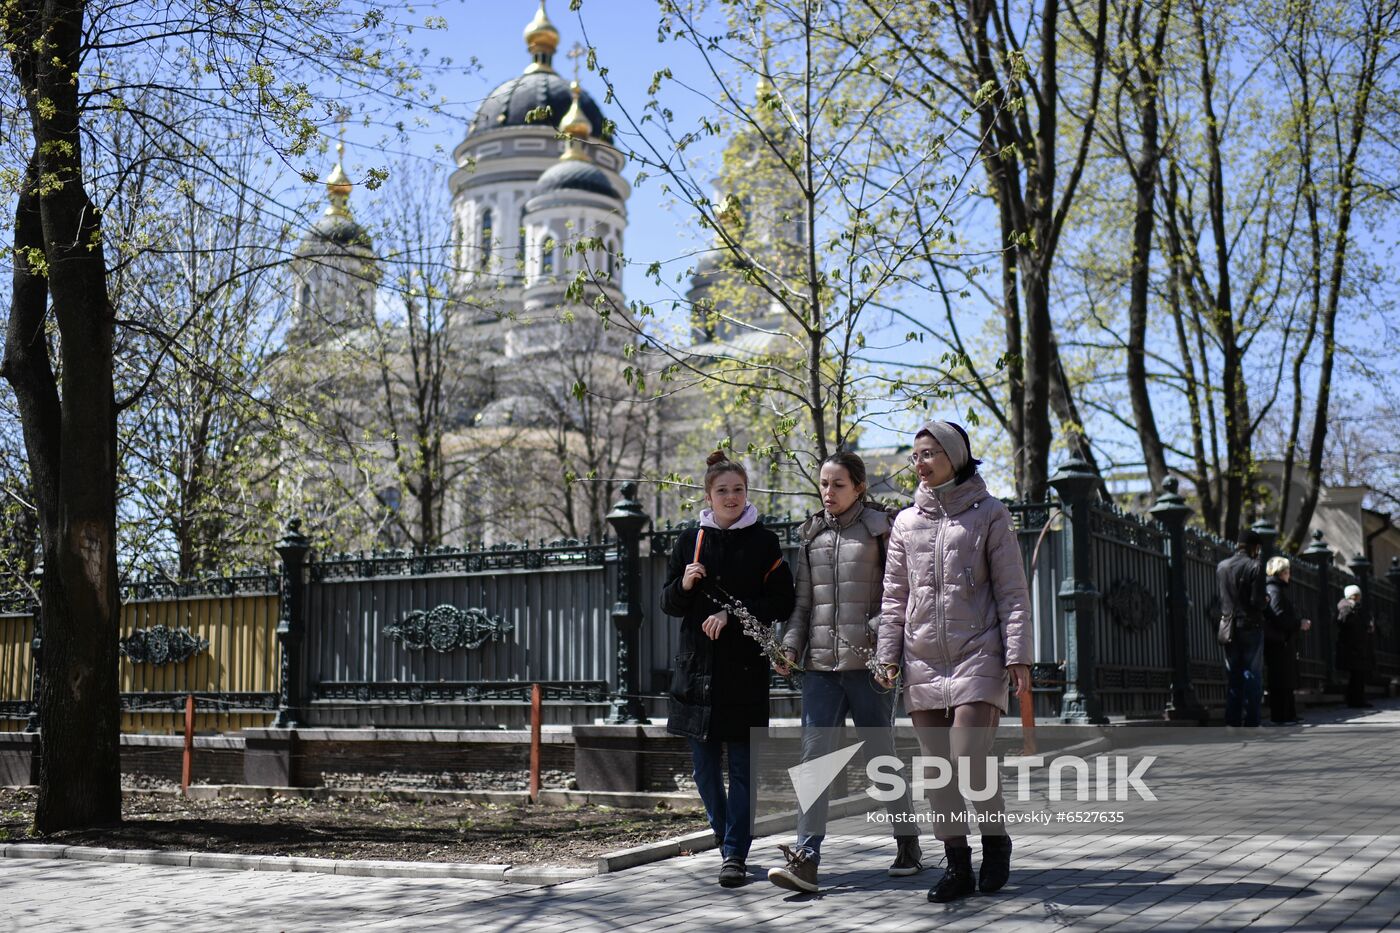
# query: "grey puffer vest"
{"type": "Point", "coordinates": [840, 575]}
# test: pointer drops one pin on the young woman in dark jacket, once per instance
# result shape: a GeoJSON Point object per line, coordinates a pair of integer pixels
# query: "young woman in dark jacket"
{"type": "Point", "coordinates": [719, 690]}
{"type": "Point", "coordinates": [1281, 628]}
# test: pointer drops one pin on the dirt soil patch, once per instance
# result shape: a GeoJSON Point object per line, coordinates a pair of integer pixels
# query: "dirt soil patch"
{"type": "Point", "coordinates": [366, 827]}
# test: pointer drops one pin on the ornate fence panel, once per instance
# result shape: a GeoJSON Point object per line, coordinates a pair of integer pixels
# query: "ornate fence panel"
{"type": "Point", "coordinates": [1203, 552]}
{"type": "Point", "coordinates": [1385, 610]}
{"type": "Point", "coordinates": [213, 638]}
{"type": "Point", "coordinates": [1302, 593]}
{"type": "Point", "coordinates": [16, 668]}
{"type": "Point", "coordinates": [391, 640]}
{"type": "Point", "coordinates": [1133, 670]}
{"type": "Point", "coordinates": [1039, 533]}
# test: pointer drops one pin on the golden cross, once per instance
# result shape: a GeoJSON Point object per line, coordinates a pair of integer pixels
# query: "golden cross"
{"type": "Point", "coordinates": [575, 53]}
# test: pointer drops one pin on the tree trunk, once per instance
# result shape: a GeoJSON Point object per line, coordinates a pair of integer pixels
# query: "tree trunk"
{"type": "Point", "coordinates": [1346, 183]}
{"type": "Point", "coordinates": [1145, 171]}
{"type": "Point", "coordinates": [1175, 274]}
{"type": "Point", "coordinates": [1144, 220]}
{"type": "Point", "coordinates": [70, 433]}
{"type": "Point", "coordinates": [1238, 452]}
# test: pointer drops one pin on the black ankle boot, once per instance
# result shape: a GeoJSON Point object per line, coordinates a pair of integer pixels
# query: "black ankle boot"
{"type": "Point", "coordinates": [957, 880]}
{"type": "Point", "coordinates": [996, 863]}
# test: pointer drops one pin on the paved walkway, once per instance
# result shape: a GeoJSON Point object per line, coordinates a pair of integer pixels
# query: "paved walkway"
{"type": "Point", "coordinates": [1309, 879]}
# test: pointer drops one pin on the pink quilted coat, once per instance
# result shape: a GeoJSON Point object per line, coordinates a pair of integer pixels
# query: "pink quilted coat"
{"type": "Point", "coordinates": [956, 607]}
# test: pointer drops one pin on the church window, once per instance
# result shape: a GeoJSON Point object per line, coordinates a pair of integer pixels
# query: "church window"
{"type": "Point", "coordinates": [612, 259]}
{"type": "Point", "coordinates": [547, 257]}
{"type": "Point", "coordinates": [520, 244]}
{"type": "Point", "coordinates": [486, 222]}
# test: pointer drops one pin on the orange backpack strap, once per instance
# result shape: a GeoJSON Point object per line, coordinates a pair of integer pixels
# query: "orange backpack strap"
{"type": "Point", "coordinates": [776, 564]}
{"type": "Point", "coordinates": [699, 539]}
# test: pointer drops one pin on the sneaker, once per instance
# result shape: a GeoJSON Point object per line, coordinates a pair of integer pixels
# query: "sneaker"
{"type": "Point", "coordinates": [733, 873]}
{"type": "Point", "coordinates": [799, 874]}
{"type": "Point", "coordinates": [909, 859]}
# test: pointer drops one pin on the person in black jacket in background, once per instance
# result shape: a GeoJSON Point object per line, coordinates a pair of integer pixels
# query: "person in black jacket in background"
{"type": "Point", "coordinates": [719, 690]}
{"type": "Point", "coordinates": [1355, 651]}
{"type": "Point", "coordinates": [1241, 580]}
{"type": "Point", "coordinates": [1281, 628]}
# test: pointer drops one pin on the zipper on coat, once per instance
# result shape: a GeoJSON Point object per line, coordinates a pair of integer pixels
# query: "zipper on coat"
{"type": "Point", "coordinates": [836, 596]}
{"type": "Point", "coordinates": [940, 618]}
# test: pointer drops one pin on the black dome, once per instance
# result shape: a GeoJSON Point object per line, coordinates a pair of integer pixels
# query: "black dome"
{"type": "Point", "coordinates": [512, 102]}
{"type": "Point", "coordinates": [340, 230]}
{"type": "Point", "coordinates": [575, 175]}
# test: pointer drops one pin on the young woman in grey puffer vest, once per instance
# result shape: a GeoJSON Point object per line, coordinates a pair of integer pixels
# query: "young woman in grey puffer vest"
{"type": "Point", "coordinates": [956, 627]}
{"type": "Point", "coordinates": [831, 633]}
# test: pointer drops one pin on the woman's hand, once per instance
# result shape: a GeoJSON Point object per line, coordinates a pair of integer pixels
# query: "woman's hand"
{"type": "Point", "coordinates": [888, 677]}
{"type": "Point", "coordinates": [1020, 678]}
{"type": "Point", "coordinates": [1307, 624]}
{"type": "Point", "coordinates": [715, 623]}
{"type": "Point", "coordinates": [782, 669]}
{"type": "Point", "coordinates": [694, 573]}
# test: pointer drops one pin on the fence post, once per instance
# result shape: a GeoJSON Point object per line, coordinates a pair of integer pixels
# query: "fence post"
{"type": "Point", "coordinates": [1076, 481]}
{"type": "Point", "coordinates": [291, 624]}
{"type": "Point", "coordinates": [1360, 568]}
{"type": "Point", "coordinates": [1171, 511]}
{"type": "Point", "coordinates": [1320, 556]}
{"type": "Point", "coordinates": [628, 520]}
{"type": "Point", "coordinates": [1393, 575]}
{"type": "Point", "coordinates": [1268, 537]}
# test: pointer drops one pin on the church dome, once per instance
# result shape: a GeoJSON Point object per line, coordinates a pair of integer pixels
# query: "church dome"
{"type": "Point", "coordinates": [339, 230]}
{"type": "Point", "coordinates": [337, 226]}
{"type": "Point", "coordinates": [514, 103]}
{"type": "Point", "coordinates": [575, 175]}
{"type": "Point", "coordinates": [539, 97]}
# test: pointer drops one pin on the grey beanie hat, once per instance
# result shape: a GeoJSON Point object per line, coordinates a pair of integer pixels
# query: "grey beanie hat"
{"type": "Point", "coordinates": [952, 442]}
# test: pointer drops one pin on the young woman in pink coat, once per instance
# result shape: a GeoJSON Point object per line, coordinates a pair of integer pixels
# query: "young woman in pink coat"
{"type": "Point", "coordinates": [955, 625]}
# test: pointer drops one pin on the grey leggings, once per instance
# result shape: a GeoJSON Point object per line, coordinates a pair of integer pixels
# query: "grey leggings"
{"type": "Point", "coordinates": [966, 731]}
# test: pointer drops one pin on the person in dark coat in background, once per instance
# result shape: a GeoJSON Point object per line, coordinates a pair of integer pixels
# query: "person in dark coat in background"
{"type": "Point", "coordinates": [1355, 651]}
{"type": "Point", "coordinates": [719, 690]}
{"type": "Point", "coordinates": [1281, 628]}
{"type": "Point", "coordinates": [1242, 597]}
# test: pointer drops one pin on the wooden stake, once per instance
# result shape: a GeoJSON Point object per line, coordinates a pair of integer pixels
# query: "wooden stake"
{"type": "Point", "coordinates": [536, 714]}
{"type": "Point", "coordinates": [188, 764]}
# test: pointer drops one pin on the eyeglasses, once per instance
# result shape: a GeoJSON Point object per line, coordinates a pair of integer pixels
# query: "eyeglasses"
{"type": "Point", "coordinates": [923, 456]}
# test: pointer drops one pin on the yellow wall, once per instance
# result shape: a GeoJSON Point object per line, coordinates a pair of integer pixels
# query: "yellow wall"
{"type": "Point", "coordinates": [241, 658]}
{"type": "Point", "coordinates": [16, 660]}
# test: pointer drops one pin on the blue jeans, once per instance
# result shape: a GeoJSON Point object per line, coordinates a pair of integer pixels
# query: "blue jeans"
{"type": "Point", "coordinates": [827, 696]}
{"type": "Point", "coordinates": [1244, 661]}
{"type": "Point", "coordinates": [730, 813]}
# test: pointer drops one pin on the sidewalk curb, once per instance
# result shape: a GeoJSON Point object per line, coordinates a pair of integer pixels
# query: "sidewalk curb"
{"type": "Point", "coordinates": [533, 875]}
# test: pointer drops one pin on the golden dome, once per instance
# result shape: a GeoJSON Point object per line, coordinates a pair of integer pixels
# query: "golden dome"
{"type": "Point", "coordinates": [541, 38]}
{"type": "Point", "coordinates": [338, 185]}
{"type": "Point", "coordinates": [575, 123]}
{"type": "Point", "coordinates": [577, 127]}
